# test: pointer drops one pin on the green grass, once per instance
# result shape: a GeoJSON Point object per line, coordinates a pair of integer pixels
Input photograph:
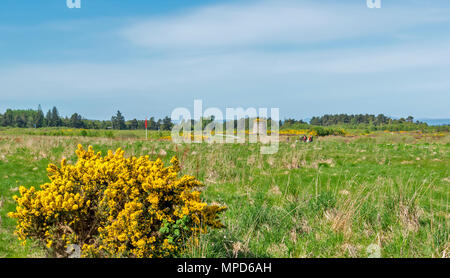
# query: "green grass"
{"type": "Point", "coordinates": [332, 198]}
{"type": "Point", "coordinates": [70, 132]}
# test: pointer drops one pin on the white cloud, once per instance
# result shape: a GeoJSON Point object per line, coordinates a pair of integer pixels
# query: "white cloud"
{"type": "Point", "coordinates": [380, 59]}
{"type": "Point", "coordinates": [177, 74]}
{"type": "Point", "coordinates": [273, 23]}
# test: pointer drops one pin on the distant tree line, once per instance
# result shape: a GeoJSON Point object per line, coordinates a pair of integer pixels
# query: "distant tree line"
{"type": "Point", "coordinates": [329, 124]}
{"type": "Point", "coordinates": [36, 119]}
{"type": "Point", "coordinates": [30, 118]}
{"type": "Point", "coordinates": [339, 119]}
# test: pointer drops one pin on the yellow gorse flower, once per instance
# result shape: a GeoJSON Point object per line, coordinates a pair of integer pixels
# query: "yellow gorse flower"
{"type": "Point", "coordinates": [114, 206]}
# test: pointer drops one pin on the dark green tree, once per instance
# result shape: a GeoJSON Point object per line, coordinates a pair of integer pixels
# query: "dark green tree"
{"type": "Point", "coordinates": [56, 120]}
{"type": "Point", "coordinates": [167, 123]}
{"type": "Point", "coordinates": [410, 119]}
{"type": "Point", "coordinates": [76, 121]}
{"type": "Point", "coordinates": [134, 124]}
{"type": "Point", "coordinates": [118, 121]}
{"type": "Point", "coordinates": [48, 118]}
{"type": "Point", "coordinates": [39, 118]}
{"type": "Point", "coordinates": [8, 118]}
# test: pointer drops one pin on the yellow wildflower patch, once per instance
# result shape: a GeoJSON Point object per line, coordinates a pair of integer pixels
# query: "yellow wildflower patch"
{"type": "Point", "coordinates": [112, 206]}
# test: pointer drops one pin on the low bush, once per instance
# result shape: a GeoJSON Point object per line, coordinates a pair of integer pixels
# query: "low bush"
{"type": "Point", "coordinates": [114, 206]}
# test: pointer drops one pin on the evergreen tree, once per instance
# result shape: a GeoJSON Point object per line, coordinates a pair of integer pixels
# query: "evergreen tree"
{"type": "Point", "coordinates": [8, 118]}
{"type": "Point", "coordinates": [167, 123]}
{"type": "Point", "coordinates": [48, 118]}
{"type": "Point", "coordinates": [410, 119]}
{"type": "Point", "coordinates": [152, 124]}
{"type": "Point", "coordinates": [118, 121]}
{"type": "Point", "coordinates": [39, 118]}
{"type": "Point", "coordinates": [56, 120]}
{"type": "Point", "coordinates": [134, 124]}
{"type": "Point", "coordinates": [76, 121]}
{"type": "Point", "coordinates": [20, 120]}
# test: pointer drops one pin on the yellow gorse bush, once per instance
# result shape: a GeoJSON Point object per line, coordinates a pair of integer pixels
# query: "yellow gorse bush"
{"type": "Point", "coordinates": [114, 206]}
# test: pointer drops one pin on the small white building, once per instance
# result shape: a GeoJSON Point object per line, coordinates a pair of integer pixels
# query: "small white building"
{"type": "Point", "coordinates": [260, 127]}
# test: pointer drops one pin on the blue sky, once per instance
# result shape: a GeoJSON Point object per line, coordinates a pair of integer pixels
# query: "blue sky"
{"type": "Point", "coordinates": [146, 58]}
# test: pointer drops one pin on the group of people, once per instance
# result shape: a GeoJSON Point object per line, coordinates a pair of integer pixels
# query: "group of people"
{"type": "Point", "coordinates": [306, 139]}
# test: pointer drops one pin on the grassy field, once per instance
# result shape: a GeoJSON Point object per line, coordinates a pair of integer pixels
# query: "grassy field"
{"type": "Point", "coordinates": [332, 198]}
{"type": "Point", "coordinates": [100, 133]}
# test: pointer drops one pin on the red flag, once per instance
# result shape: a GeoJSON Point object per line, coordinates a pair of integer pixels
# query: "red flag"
{"type": "Point", "coordinates": [145, 123]}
